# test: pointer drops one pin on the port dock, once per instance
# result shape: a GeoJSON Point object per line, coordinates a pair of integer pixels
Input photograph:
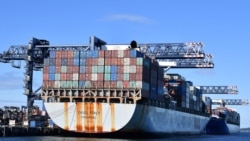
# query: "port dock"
{"type": "Point", "coordinates": [29, 131]}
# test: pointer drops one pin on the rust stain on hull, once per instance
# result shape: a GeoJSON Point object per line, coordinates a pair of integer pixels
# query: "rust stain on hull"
{"type": "Point", "coordinates": [78, 117]}
{"type": "Point", "coordinates": [99, 118]}
{"type": "Point", "coordinates": [66, 116]}
{"type": "Point", "coordinates": [112, 107]}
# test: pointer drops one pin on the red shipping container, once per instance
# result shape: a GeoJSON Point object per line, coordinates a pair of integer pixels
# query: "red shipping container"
{"type": "Point", "coordinates": [75, 69]}
{"type": "Point", "coordinates": [82, 77]}
{"type": "Point", "coordinates": [120, 61]}
{"type": "Point", "coordinates": [114, 53]}
{"type": "Point", "coordinates": [139, 69]}
{"type": "Point", "coordinates": [133, 61]}
{"type": "Point", "coordinates": [108, 54]}
{"type": "Point", "coordinates": [139, 77]}
{"type": "Point", "coordinates": [125, 84]}
{"type": "Point", "coordinates": [64, 54]}
{"type": "Point", "coordinates": [70, 62]}
{"type": "Point", "coordinates": [100, 76]}
{"type": "Point", "coordinates": [46, 76]}
{"type": "Point", "coordinates": [45, 69]}
{"type": "Point", "coordinates": [88, 69]}
{"type": "Point", "coordinates": [63, 76]}
{"type": "Point", "coordinates": [88, 76]}
{"type": "Point", "coordinates": [58, 61]}
{"type": "Point", "coordinates": [97, 84]}
{"type": "Point", "coordinates": [113, 84]}
{"type": "Point", "coordinates": [51, 84]}
{"type": "Point", "coordinates": [120, 69]}
{"type": "Point", "coordinates": [113, 61]}
{"type": "Point", "coordinates": [107, 61]}
{"type": "Point", "coordinates": [58, 54]}
{"type": "Point", "coordinates": [88, 61]}
{"type": "Point", "coordinates": [132, 76]}
{"type": "Point", "coordinates": [106, 84]}
{"type": "Point", "coordinates": [70, 54]}
{"type": "Point", "coordinates": [69, 76]}
{"type": "Point", "coordinates": [101, 54]}
{"type": "Point", "coordinates": [119, 76]}
{"type": "Point", "coordinates": [126, 53]}
{"type": "Point", "coordinates": [58, 69]}
{"type": "Point", "coordinates": [94, 61]}
{"type": "Point", "coordinates": [45, 83]}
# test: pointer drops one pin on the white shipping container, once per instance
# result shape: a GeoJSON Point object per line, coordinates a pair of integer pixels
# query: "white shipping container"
{"type": "Point", "coordinates": [57, 84]}
{"type": "Point", "coordinates": [75, 76]}
{"type": "Point", "coordinates": [120, 53]}
{"type": "Point", "coordinates": [126, 61]}
{"type": "Point", "coordinates": [94, 76]}
{"type": "Point", "coordinates": [126, 69]}
{"type": "Point", "coordinates": [132, 69]}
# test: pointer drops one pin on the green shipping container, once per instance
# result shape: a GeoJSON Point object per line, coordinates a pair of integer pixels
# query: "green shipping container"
{"type": "Point", "coordinates": [107, 69]}
{"type": "Point", "coordinates": [100, 69]}
{"type": "Point", "coordinates": [126, 76]}
{"type": "Point", "coordinates": [63, 69]}
{"type": "Point", "coordinates": [57, 76]}
{"type": "Point", "coordinates": [94, 69]}
{"type": "Point", "coordinates": [107, 76]}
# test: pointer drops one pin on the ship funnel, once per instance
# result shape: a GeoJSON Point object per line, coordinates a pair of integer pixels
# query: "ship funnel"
{"type": "Point", "coordinates": [133, 44]}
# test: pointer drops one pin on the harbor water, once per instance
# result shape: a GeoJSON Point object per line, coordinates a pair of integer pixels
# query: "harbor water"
{"type": "Point", "coordinates": [242, 136]}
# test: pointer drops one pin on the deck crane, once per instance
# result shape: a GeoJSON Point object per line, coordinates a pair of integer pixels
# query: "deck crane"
{"type": "Point", "coordinates": [34, 53]}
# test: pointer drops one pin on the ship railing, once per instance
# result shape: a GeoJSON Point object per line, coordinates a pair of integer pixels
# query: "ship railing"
{"type": "Point", "coordinates": [91, 95]}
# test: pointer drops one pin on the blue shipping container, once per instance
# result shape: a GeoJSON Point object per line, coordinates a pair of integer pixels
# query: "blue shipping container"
{"type": "Point", "coordinates": [46, 61]}
{"type": "Point", "coordinates": [76, 62]}
{"type": "Point", "coordinates": [64, 62]}
{"type": "Point", "coordinates": [52, 76]}
{"type": "Point", "coordinates": [113, 69]}
{"type": "Point", "coordinates": [82, 69]}
{"type": "Point", "coordinates": [95, 54]}
{"type": "Point", "coordinates": [52, 69]}
{"type": "Point", "coordinates": [135, 53]}
{"type": "Point", "coordinates": [37, 124]}
{"type": "Point", "coordinates": [52, 54]}
{"type": "Point", "coordinates": [113, 76]}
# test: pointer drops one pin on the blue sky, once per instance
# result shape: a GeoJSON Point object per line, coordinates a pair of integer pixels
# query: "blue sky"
{"type": "Point", "coordinates": [223, 26]}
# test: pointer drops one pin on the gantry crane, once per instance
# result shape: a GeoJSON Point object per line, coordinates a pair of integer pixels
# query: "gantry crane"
{"type": "Point", "coordinates": [184, 55]}
{"type": "Point", "coordinates": [224, 102]}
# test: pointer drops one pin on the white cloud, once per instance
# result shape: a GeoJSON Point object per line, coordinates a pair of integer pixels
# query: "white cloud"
{"type": "Point", "coordinates": [127, 17]}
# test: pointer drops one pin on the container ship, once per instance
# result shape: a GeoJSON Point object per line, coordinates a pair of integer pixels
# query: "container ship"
{"type": "Point", "coordinates": [223, 121]}
{"type": "Point", "coordinates": [119, 91]}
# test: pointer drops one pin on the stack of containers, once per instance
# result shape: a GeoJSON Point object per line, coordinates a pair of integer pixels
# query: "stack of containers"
{"type": "Point", "coordinates": [208, 104]}
{"type": "Point", "coordinates": [116, 69]}
{"type": "Point", "coordinates": [61, 69]}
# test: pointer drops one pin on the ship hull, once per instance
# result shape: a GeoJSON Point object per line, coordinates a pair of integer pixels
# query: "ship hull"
{"type": "Point", "coordinates": [220, 126]}
{"type": "Point", "coordinates": [98, 118]}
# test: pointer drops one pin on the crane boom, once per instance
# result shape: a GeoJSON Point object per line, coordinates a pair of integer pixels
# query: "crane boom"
{"type": "Point", "coordinates": [230, 101]}
{"type": "Point", "coordinates": [219, 89]}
